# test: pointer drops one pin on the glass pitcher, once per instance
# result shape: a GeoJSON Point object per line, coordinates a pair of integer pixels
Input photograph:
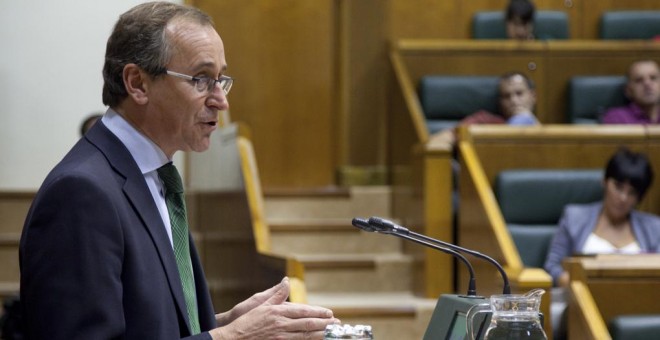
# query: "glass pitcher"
{"type": "Point", "coordinates": [514, 316]}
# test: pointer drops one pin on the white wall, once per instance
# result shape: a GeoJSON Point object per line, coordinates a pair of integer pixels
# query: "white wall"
{"type": "Point", "coordinates": [51, 56]}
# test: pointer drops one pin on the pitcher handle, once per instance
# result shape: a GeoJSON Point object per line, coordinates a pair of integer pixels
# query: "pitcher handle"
{"type": "Point", "coordinates": [472, 312]}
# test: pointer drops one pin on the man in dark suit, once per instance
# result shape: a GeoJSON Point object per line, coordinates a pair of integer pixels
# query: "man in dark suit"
{"type": "Point", "coordinates": [100, 252]}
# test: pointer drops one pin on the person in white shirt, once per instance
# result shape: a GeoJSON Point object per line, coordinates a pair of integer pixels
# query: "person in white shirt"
{"type": "Point", "coordinates": [612, 225]}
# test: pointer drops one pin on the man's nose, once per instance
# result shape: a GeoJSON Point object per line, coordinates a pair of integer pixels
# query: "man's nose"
{"type": "Point", "coordinates": [218, 98]}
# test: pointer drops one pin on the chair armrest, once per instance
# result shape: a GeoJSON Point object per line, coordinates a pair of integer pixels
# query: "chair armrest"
{"type": "Point", "coordinates": [530, 278]}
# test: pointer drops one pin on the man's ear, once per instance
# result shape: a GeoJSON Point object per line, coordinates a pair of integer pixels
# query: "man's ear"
{"type": "Point", "coordinates": [135, 82]}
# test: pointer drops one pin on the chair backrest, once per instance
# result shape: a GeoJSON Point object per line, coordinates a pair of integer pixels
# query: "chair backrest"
{"type": "Point", "coordinates": [590, 96]}
{"type": "Point", "coordinates": [547, 25]}
{"type": "Point", "coordinates": [446, 100]}
{"type": "Point", "coordinates": [630, 25]}
{"type": "Point", "coordinates": [635, 327]}
{"type": "Point", "coordinates": [532, 201]}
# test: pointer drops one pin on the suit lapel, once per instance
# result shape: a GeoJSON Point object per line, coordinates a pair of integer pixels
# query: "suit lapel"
{"type": "Point", "coordinates": [137, 192]}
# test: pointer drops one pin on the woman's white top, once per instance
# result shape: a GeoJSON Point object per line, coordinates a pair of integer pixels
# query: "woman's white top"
{"type": "Point", "coordinates": [598, 245]}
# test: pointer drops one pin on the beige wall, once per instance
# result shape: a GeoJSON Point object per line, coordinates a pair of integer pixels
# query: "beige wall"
{"type": "Point", "coordinates": [50, 79]}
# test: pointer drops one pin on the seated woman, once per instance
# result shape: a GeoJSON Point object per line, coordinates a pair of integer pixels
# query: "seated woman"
{"type": "Point", "coordinates": [610, 226]}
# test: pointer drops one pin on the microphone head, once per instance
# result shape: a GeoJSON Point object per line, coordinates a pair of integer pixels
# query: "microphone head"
{"type": "Point", "coordinates": [386, 226]}
{"type": "Point", "coordinates": [363, 224]}
{"type": "Point", "coordinates": [380, 225]}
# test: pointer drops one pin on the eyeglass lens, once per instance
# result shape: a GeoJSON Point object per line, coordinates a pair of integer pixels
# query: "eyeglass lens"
{"type": "Point", "coordinates": [208, 84]}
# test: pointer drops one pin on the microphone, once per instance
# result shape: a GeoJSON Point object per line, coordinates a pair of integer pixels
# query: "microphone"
{"type": "Point", "coordinates": [366, 226]}
{"type": "Point", "coordinates": [389, 227]}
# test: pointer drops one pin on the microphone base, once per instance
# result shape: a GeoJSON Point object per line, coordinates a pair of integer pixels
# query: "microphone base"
{"type": "Point", "coordinates": [471, 296]}
{"type": "Point", "coordinates": [449, 317]}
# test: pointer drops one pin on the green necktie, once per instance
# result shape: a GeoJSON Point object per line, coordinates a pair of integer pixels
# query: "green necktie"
{"type": "Point", "coordinates": [177, 211]}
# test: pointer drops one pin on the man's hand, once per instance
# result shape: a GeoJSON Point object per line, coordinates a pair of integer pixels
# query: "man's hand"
{"type": "Point", "coordinates": [280, 292]}
{"type": "Point", "coordinates": [267, 315]}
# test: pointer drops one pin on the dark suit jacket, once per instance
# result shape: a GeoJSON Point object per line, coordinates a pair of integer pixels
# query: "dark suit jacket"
{"type": "Point", "coordinates": [96, 261]}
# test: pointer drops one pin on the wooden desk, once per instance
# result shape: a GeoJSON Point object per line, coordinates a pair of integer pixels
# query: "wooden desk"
{"type": "Point", "coordinates": [605, 286]}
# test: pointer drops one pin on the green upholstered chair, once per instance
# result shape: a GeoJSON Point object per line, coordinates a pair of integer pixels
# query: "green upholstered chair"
{"type": "Point", "coordinates": [547, 25]}
{"type": "Point", "coordinates": [532, 202]}
{"type": "Point", "coordinates": [590, 96]}
{"type": "Point", "coordinates": [638, 327]}
{"type": "Point", "coordinates": [629, 25]}
{"type": "Point", "coordinates": [445, 100]}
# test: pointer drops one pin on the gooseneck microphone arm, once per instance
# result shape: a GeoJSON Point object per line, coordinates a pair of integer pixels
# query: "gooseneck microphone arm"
{"type": "Point", "coordinates": [378, 224]}
{"type": "Point", "coordinates": [472, 285]}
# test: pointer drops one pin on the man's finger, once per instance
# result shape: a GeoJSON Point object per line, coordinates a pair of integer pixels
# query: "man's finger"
{"type": "Point", "coordinates": [279, 294]}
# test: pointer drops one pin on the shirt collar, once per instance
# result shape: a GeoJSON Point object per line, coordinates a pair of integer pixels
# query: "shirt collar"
{"type": "Point", "coordinates": [147, 154]}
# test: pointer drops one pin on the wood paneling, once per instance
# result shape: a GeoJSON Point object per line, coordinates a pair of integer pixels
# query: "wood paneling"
{"type": "Point", "coordinates": [283, 55]}
{"type": "Point", "coordinates": [424, 19]}
{"type": "Point", "coordinates": [363, 60]}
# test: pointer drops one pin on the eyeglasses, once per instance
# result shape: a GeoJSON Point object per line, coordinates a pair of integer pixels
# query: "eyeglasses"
{"type": "Point", "coordinates": [205, 83]}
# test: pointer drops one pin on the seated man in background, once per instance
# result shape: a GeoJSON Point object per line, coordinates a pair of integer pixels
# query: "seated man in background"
{"type": "Point", "coordinates": [612, 225]}
{"type": "Point", "coordinates": [643, 90]}
{"type": "Point", "coordinates": [517, 99]}
{"type": "Point", "coordinates": [519, 20]}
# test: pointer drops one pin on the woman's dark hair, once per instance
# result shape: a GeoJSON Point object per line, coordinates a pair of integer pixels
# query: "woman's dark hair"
{"type": "Point", "coordinates": [627, 166]}
{"type": "Point", "coordinates": [523, 9]}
